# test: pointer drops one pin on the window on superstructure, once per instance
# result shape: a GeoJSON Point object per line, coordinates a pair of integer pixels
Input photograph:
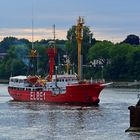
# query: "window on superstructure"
{"type": "Point", "coordinates": [20, 81]}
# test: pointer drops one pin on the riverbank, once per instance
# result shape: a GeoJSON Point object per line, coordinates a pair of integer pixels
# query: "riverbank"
{"type": "Point", "coordinates": [4, 81]}
{"type": "Point", "coordinates": [135, 84]}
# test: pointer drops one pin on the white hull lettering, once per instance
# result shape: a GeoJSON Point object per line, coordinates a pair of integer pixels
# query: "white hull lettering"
{"type": "Point", "coordinates": [37, 96]}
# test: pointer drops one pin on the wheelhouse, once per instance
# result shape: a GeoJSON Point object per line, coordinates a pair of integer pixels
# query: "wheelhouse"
{"type": "Point", "coordinates": [18, 81]}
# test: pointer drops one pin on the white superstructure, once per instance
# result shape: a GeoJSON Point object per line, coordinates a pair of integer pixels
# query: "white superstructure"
{"type": "Point", "coordinates": [18, 81]}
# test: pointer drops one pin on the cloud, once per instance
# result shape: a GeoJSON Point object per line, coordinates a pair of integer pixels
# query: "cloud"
{"type": "Point", "coordinates": [114, 34]}
{"type": "Point", "coordinates": [47, 33]}
{"type": "Point", "coordinates": [39, 33]}
{"type": "Point", "coordinates": [111, 20]}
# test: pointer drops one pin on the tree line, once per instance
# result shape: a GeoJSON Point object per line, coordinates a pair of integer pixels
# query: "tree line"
{"type": "Point", "coordinates": [101, 59]}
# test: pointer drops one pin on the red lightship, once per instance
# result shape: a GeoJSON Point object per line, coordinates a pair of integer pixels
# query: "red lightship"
{"type": "Point", "coordinates": [66, 88]}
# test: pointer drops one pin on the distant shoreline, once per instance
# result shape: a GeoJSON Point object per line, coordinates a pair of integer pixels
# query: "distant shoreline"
{"type": "Point", "coordinates": [4, 81]}
{"type": "Point", "coordinates": [135, 84]}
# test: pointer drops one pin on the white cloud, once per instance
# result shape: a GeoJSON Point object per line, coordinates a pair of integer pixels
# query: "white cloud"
{"type": "Point", "coordinates": [111, 20]}
{"type": "Point", "coordinates": [40, 33]}
{"type": "Point", "coordinates": [114, 34]}
{"type": "Point", "coordinates": [44, 33]}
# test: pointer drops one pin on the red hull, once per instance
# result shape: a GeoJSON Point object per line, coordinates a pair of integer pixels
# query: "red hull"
{"type": "Point", "coordinates": [85, 93]}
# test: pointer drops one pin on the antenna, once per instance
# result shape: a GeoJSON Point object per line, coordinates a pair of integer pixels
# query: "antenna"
{"type": "Point", "coordinates": [33, 54]}
{"type": "Point", "coordinates": [54, 37]}
{"type": "Point", "coordinates": [54, 32]}
{"type": "Point", "coordinates": [32, 26]}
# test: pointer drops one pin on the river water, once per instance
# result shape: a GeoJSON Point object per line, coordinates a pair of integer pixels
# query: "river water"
{"type": "Point", "coordinates": [40, 121]}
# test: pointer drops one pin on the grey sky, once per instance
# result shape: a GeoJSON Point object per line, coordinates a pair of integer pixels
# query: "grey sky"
{"type": "Point", "coordinates": [108, 19]}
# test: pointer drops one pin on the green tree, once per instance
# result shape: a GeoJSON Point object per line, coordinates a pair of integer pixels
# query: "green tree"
{"type": "Point", "coordinates": [132, 39]}
{"type": "Point", "coordinates": [135, 64]}
{"type": "Point", "coordinates": [10, 41]}
{"type": "Point", "coordinates": [120, 66]}
{"type": "Point", "coordinates": [42, 59]}
{"type": "Point", "coordinates": [16, 58]}
{"type": "Point", "coordinates": [71, 44]}
{"type": "Point", "coordinates": [100, 51]}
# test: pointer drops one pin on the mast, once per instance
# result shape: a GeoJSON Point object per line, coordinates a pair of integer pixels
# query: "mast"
{"type": "Point", "coordinates": [33, 53]}
{"type": "Point", "coordinates": [79, 29]}
{"type": "Point", "coordinates": [54, 32]}
{"type": "Point", "coordinates": [32, 26]}
{"type": "Point", "coordinates": [52, 53]}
